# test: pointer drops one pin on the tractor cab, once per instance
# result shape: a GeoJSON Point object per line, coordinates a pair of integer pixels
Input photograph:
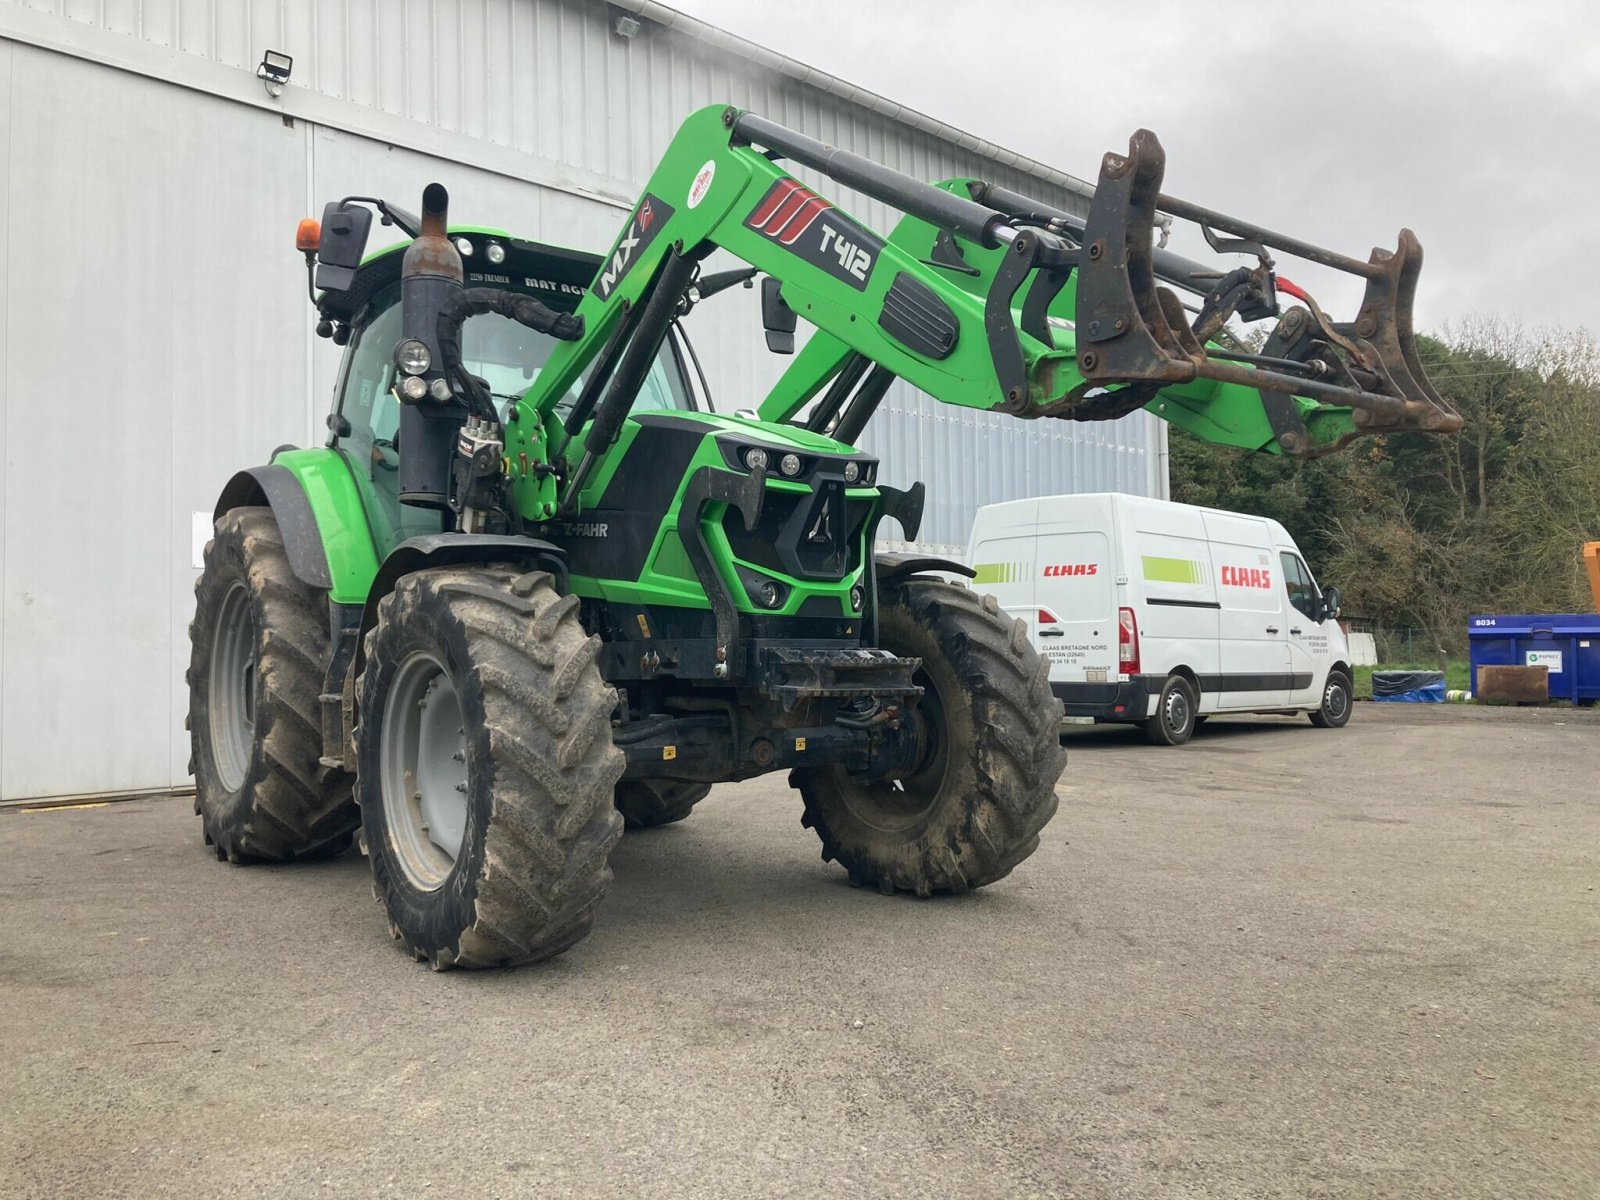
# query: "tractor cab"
{"type": "Point", "coordinates": [362, 312]}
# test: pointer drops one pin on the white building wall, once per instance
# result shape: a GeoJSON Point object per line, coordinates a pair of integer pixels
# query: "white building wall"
{"type": "Point", "coordinates": [157, 335]}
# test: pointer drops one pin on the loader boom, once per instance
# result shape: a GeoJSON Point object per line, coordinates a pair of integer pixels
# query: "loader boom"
{"type": "Point", "coordinates": [987, 299]}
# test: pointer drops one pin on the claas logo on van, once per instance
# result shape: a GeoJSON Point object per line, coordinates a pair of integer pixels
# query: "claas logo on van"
{"type": "Point", "coordinates": [1055, 569]}
{"type": "Point", "coordinates": [1246, 577]}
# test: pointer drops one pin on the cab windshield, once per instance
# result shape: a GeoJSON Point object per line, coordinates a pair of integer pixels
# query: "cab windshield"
{"type": "Point", "coordinates": [505, 355]}
{"type": "Point", "coordinates": [508, 357]}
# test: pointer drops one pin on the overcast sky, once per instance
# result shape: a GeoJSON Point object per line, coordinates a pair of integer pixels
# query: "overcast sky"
{"type": "Point", "coordinates": [1476, 124]}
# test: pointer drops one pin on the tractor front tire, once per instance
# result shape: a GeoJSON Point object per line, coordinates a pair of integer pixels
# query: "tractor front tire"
{"type": "Point", "coordinates": [973, 808]}
{"type": "Point", "coordinates": [259, 648]}
{"type": "Point", "coordinates": [649, 803]}
{"type": "Point", "coordinates": [485, 767]}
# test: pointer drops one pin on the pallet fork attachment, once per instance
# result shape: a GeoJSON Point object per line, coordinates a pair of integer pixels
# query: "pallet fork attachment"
{"type": "Point", "coordinates": [1137, 332]}
{"type": "Point", "coordinates": [1133, 335]}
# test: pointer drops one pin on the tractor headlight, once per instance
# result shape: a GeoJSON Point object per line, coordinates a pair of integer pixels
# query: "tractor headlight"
{"type": "Point", "coordinates": [858, 597]}
{"type": "Point", "coordinates": [755, 458]}
{"type": "Point", "coordinates": [413, 387]}
{"type": "Point", "coordinates": [412, 357]}
{"type": "Point", "coordinates": [495, 253]}
{"type": "Point", "coordinates": [439, 390]}
{"type": "Point", "coordinates": [852, 472]}
{"type": "Point", "coordinates": [771, 594]}
{"type": "Point", "coordinates": [464, 247]}
{"type": "Point", "coordinates": [789, 464]}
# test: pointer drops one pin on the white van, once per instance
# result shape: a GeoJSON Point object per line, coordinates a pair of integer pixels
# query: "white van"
{"type": "Point", "coordinates": [1162, 614]}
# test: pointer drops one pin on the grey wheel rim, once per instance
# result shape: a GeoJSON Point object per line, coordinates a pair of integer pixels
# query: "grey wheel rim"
{"type": "Point", "coordinates": [422, 757]}
{"type": "Point", "coordinates": [1335, 700]}
{"type": "Point", "coordinates": [1177, 710]}
{"type": "Point", "coordinates": [895, 805]}
{"type": "Point", "coordinates": [231, 688]}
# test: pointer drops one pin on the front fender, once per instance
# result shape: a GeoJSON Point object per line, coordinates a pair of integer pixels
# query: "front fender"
{"type": "Point", "coordinates": [451, 549]}
{"type": "Point", "coordinates": [892, 564]}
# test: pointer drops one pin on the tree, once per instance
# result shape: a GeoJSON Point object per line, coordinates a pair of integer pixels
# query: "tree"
{"type": "Point", "coordinates": [1422, 531]}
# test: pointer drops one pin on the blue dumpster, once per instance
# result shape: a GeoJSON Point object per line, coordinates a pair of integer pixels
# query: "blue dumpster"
{"type": "Point", "coordinates": [1567, 645]}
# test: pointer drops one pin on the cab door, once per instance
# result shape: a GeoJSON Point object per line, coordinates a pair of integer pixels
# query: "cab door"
{"type": "Point", "coordinates": [369, 425]}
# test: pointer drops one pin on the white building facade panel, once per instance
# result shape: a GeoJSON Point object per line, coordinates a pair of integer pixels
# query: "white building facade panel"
{"type": "Point", "coordinates": [152, 298]}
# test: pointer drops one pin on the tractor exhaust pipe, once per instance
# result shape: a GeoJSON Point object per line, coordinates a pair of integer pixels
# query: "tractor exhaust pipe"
{"type": "Point", "coordinates": [431, 277]}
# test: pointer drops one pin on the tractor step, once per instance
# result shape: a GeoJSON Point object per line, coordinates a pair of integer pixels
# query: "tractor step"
{"type": "Point", "coordinates": [791, 674]}
{"type": "Point", "coordinates": [332, 729]}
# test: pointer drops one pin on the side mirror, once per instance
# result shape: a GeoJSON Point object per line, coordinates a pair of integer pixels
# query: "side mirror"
{"type": "Point", "coordinates": [777, 318]}
{"type": "Point", "coordinates": [1330, 603]}
{"type": "Point", "coordinates": [344, 240]}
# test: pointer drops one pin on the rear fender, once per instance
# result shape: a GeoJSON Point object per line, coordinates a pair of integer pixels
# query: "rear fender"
{"type": "Point", "coordinates": [275, 488]}
{"type": "Point", "coordinates": [320, 514]}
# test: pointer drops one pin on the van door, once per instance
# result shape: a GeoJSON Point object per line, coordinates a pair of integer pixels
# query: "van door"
{"type": "Point", "coordinates": [1308, 639]}
{"type": "Point", "coordinates": [1173, 593]}
{"type": "Point", "coordinates": [1075, 598]}
{"type": "Point", "coordinates": [1253, 620]}
{"type": "Point", "coordinates": [1002, 556]}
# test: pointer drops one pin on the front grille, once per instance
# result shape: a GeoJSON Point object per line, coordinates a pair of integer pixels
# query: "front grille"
{"type": "Point", "coordinates": [812, 536]}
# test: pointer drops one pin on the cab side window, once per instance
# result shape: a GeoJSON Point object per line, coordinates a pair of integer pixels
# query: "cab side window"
{"type": "Point", "coordinates": [367, 402]}
{"type": "Point", "coordinates": [1302, 591]}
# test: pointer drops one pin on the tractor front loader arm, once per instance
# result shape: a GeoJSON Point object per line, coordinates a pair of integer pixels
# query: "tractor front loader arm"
{"type": "Point", "coordinates": [714, 189]}
{"type": "Point", "coordinates": [987, 299]}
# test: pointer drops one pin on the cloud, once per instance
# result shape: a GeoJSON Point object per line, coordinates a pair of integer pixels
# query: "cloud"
{"type": "Point", "coordinates": [1473, 123]}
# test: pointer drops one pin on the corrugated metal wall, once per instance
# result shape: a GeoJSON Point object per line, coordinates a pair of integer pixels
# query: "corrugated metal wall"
{"type": "Point", "coordinates": [152, 297]}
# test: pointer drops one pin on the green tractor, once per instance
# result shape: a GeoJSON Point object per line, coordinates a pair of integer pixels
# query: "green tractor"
{"type": "Point", "coordinates": [533, 591]}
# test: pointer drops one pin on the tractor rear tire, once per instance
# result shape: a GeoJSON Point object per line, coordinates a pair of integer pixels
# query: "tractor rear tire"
{"type": "Point", "coordinates": [259, 648]}
{"type": "Point", "coordinates": [974, 808]}
{"type": "Point", "coordinates": [650, 803]}
{"type": "Point", "coordinates": [485, 767]}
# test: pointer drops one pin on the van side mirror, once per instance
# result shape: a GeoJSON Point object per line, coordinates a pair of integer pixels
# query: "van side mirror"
{"type": "Point", "coordinates": [1330, 603]}
{"type": "Point", "coordinates": [777, 318]}
{"type": "Point", "coordinates": [345, 226]}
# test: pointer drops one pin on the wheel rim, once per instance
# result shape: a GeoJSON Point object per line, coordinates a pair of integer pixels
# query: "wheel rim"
{"type": "Point", "coordinates": [897, 804]}
{"type": "Point", "coordinates": [1177, 710]}
{"type": "Point", "coordinates": [231, 688]}
{"type": "Point", "coordinates": [1334, 700]}
{"type": "Point", "coordinates": [423, 771]}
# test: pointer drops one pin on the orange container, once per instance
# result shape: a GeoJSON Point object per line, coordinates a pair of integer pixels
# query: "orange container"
{"type": "Point", "coordinates": [1591, 559]}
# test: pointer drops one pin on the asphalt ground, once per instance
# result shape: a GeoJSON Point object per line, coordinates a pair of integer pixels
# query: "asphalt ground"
{"type": "Point", "coordinates": [1276, 962]}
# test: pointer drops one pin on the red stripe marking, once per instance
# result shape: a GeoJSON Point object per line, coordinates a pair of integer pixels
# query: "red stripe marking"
{"type": "Point", "coordinates": [770, 205]}
{"type": "Point", "coordinates": [801, 221]}
{"type": "Point", "coordinates": [792, 204]}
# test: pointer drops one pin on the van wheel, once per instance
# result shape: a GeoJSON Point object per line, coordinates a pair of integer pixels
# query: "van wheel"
{"type": "Point", "coordinates": [1173, 724]}
{"type": "Point", "coordinates": [1335, 710]}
